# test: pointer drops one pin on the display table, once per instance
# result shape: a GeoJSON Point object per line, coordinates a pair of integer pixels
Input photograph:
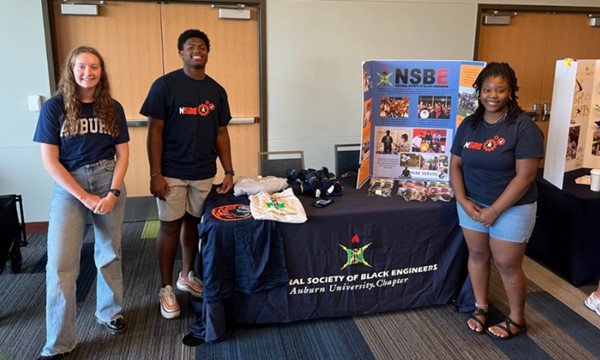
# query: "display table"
{"type": "Point", "coordinates": [359, 255]}
{"type": "Point", "coordinates": [566, 237]}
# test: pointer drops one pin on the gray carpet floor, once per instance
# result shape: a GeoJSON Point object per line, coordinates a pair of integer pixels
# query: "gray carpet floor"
{"type": "Point", "coordinates": [555, 331]}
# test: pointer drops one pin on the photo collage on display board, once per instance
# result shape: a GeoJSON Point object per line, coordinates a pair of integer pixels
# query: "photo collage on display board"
{"type": "Point", "coordinates": [410, 113]}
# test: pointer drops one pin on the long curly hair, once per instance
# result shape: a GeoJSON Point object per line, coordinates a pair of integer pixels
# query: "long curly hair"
{"type": "Point", "coordinates": [504, 71]}
{"type": "Point", "coordinates": [104, 107]}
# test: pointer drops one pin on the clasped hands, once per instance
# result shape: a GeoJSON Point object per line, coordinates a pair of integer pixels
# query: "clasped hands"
{"type": "Point", "coordinates": [483, 215]}
{"type": "Point", "coordinates": [99, 205]}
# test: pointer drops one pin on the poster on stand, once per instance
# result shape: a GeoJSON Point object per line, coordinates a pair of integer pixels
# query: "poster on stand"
{"type": "Point", "coordinates": [573, 131]}
{"type": "Point", "coordinates": [411, 109]}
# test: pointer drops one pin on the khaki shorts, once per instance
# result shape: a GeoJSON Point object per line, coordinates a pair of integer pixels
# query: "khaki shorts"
{"type": "Point", "coordinates": [185, 196]}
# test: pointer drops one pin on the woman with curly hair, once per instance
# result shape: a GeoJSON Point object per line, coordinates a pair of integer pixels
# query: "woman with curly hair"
{"type": "Point", "coordinates": [495, 157]}
{"type": "Point", "coordinates": [84, 139]}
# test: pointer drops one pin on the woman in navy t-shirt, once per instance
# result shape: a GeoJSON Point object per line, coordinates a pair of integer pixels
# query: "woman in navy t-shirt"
{"type": "Point", "coordinates": [83, 138]}
{"type": "Point", "coordinates": [495, 157]}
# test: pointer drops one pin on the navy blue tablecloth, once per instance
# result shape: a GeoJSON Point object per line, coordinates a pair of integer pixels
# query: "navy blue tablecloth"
{"type": "Point", "coordinates": [566, 237]}
{"type": "Point", "coordinates": [359, 255]}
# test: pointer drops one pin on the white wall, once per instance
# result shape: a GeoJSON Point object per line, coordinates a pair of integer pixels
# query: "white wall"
{"type": "Point", "coordinates": [314, 53]}
{"type": "Point", "coordinates": [315, 49]}
{"type": "Point", "coordinates": [23, 72]}
{"type": "Point", "coordinates": [314, 66]}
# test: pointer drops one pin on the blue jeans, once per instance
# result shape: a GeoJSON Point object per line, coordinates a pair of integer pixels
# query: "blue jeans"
{"type": "Point", "coordinates": [65, 238]}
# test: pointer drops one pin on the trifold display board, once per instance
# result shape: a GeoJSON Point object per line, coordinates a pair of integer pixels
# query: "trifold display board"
{"type": "Point", "coordinates": [573, 133]}
{"type": "Point", "coordinates": [411, 109]}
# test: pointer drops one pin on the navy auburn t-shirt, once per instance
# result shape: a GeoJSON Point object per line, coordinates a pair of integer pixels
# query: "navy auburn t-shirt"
{"type": "Point", "coordinates": [489, 153]}
{"type": "Point", "coordinates": [193, 110]}
{"type": "Point", "coordinates": [92, 144]}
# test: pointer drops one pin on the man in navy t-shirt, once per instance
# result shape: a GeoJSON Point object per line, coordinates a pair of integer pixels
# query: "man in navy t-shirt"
{"type": "Point", "coordinates": [188, 113]}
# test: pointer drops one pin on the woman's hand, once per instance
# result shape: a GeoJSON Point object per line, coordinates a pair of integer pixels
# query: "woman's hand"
{"type": "Point", "coordinates": [487, 216]}
{"type": "Point", "coordinates": [90, 201]}
{"type": "Point", "coordinates": [472, 209]}
{"type": "Point", "coordinates": [106, 204]}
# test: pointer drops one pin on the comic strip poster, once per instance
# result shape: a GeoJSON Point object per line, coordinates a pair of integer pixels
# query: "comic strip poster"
{"type": "Point", "coordinates": [411, 109]}
{"type": "Point", "coordinates": [574, 120]}
{"type": "Point", "coordinates": [586, 106]}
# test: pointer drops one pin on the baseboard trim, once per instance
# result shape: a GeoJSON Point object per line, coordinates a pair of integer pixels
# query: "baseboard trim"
{"type": "Point", "coordinates": [36, 227]}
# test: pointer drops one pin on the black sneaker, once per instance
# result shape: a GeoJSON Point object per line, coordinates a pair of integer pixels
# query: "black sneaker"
{"type": "Point", "coordinates": [191, 340]}
{"type": "Point", "coordinates": [117, 326]}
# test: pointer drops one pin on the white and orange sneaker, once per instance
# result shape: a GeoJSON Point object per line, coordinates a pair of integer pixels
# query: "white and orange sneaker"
{"type": "Point", "coordinates": [169, 307]}
{"type": "Point", "coordinates": [190, 284]}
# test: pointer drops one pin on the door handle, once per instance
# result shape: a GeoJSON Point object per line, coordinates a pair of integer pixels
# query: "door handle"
{"type": "Point", "coordinates": [546, 112]}
{"type": "Point", "coordinates": [534, 113]}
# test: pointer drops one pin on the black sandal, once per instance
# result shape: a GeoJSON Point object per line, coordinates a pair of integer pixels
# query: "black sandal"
{"type": "Point", "coordinates": [475, 316]}
{"type": "Point", "coordinates": [509, 322]}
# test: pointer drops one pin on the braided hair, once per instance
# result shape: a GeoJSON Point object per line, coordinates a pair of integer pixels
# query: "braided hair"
{"type": "Point", "coordinates": [503, 70]}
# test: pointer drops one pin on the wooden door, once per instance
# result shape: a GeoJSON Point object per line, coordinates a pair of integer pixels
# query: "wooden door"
{"type": "Point", "coordinates": [532, 44]}
{"type": "Point", "coordinates": [128, 38]}
{"type": "Point", "coordinates": [138, 41]}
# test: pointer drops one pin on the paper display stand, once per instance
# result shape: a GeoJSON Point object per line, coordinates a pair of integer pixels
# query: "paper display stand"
{"type": "Point", "coordinates": [411, 109]}
{"type": "Point", "coordinates": [573, 135]}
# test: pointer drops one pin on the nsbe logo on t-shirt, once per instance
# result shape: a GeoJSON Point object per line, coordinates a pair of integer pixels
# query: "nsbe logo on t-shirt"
{"type": "Point", "coordinates": [489, 145]}
{"type": "Point", "coordinates": [203, 109]}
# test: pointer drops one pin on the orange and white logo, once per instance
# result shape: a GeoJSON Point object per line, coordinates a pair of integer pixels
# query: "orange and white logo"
{"type": "Point", "coordinates": [203, 109]}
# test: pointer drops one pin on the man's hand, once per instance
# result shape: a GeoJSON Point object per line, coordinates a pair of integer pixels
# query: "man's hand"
{"type": "Point", "coordinates": [159, 187]}
{"type": "Point", "coordinates": [226, 186]}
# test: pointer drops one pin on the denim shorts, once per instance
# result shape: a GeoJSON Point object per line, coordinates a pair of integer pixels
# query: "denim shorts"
{"type": "Point", "coordinates": [513, 225]}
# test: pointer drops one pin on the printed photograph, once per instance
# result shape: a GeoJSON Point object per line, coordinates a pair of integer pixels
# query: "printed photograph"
{"type": "Point", "coordinates": [367, 112]}
{"type": "Point", "coordinates": [394, 107]}
{"type": "Point", "coordinates": [573, 143]}
{"type": "Point", "coordinates": [467, 102]}
{"type": "Point", "coordinates": [410, 160]}
{"type": "Point", "coordinates": [596, 143]}
{"type": "Point", "coordinates": [429, 140]}
{"type": "Point", "coordinates": [434, 107]}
